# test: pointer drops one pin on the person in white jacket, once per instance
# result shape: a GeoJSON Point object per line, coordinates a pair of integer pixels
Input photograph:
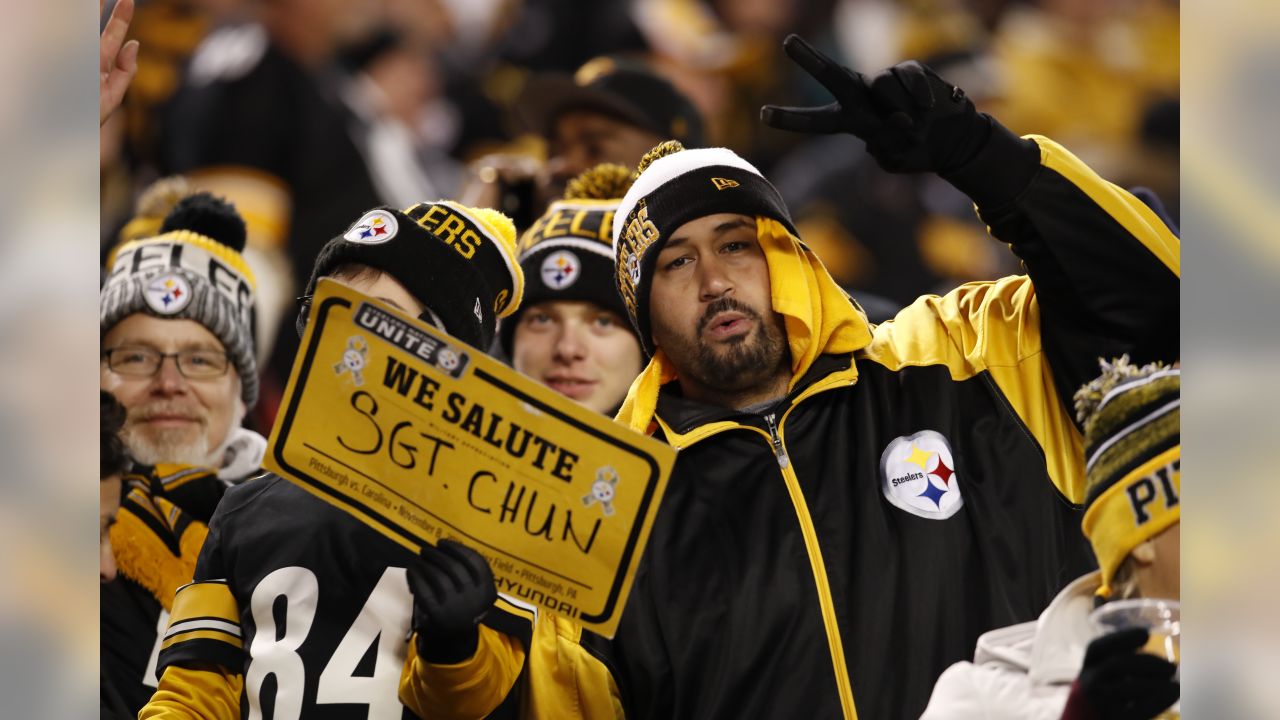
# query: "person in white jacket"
{"type": "Point", "coordinates": [1053, 667]}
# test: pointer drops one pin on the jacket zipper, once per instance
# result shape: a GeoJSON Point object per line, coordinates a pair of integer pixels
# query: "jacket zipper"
{"type": "Point", "coordinates": [778, 450]}
{"type": "Point", "coordinates": [810, 535]}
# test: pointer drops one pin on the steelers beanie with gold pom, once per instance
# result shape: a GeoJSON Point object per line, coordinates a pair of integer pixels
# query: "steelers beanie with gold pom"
{"type": "Point", "coordinates": [1133, 458]}
{"type": "Point", "coordinates": [191, 270]}
{"type": "Point", "coordinates": [568, 254]}
{"type": "Point", "coordinates": [673, 186]}
{"type": "Point", "coordinates": [458, 261]}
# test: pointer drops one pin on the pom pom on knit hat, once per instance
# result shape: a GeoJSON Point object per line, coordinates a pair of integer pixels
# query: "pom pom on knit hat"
{"type": "Point", "coordinates": [606, 181]}
{"type": "Point", "coordinates": [210, 216]}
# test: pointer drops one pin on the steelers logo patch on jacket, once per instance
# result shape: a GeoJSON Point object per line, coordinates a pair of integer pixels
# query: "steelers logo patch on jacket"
{"type": "Point", "coordinates": [917, 474]}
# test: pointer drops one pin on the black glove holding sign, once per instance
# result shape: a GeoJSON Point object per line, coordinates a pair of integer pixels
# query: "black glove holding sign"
{"type": "Point", "coordinates": [912, 121]}
{"type": "Point", "coordinates": [452, 588]}
{"type": "Point", "coordinates": [1119, 682]}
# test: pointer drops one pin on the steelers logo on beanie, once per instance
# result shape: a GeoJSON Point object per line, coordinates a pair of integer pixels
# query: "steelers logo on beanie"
{"type": "Point", "coordinates": [673, 186]}
{"type": "Point", "coordinates": [457, 261]}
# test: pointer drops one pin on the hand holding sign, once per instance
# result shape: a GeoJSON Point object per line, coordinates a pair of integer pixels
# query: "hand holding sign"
{"type": "Point", "coordinates": [427, 440]}
{"type": "Point", "coordinates": [452, 589]}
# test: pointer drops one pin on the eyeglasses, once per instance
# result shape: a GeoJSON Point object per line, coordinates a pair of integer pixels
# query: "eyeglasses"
{"type": "Point", "coordinates": [141, 361]}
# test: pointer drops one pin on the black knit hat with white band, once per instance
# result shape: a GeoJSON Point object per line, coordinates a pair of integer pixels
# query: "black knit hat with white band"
{"type": "Point", "coordinates": [675, 186]}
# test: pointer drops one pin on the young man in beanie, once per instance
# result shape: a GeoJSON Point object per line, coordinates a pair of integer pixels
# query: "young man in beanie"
{"type": "Point", "coordinates": [176, 312]}
{"type": "Point", "coordinates": [571, 332]}
{"type": "Point", "coordinates": [1133, 511]}
{"type": "Point", "coordinates": [852, 506]}
{"type": "Point", "coordinates": [299, 609]}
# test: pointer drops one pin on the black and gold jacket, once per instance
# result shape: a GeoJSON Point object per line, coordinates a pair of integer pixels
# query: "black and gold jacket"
{"type": "Point", "coordinates": [918, 485]}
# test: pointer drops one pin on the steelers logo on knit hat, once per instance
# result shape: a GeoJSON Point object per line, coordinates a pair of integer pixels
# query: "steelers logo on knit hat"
{"type": "Point", "coordinates": [375, 228]}
{"type": "Point", "coordinates": [168, 294]}
{"type": "Point", "coordinates": [561, 269]}
{"type": "Point", "coordinates": [458, 261]}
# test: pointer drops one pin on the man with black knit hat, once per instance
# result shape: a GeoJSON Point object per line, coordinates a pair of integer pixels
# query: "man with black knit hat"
{"type": "Point", "coordinates": [273, 548]}
{"type": "Point", "coordinates": [611, 110]}
{"type": "Point", "coordinates": [176, 312]}
{"type": "Point", "coordinates": [852, 506]}
{"type": "Point", "coordinates": [571, 332]}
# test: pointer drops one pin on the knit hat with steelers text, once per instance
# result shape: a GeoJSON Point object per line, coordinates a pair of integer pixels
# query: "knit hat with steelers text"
{"type": "Point", "coordinates": [458, 261]}
{"type": "Point", "coordinates": [672, 187]}
{"type": "Point", "coordinates": [191, 270]}
{"type": "Point", "coordinates": [567, 254]}
{"type": "Point", "coordinates": [1133, 459]}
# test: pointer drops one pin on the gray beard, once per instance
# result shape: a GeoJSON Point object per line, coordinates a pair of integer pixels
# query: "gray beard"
{"type": "Point", "coordinates": [165, 449]}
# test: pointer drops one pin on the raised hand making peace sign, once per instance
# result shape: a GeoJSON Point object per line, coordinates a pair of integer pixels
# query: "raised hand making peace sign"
{"type": "Point", "coordinates": [911, 119]}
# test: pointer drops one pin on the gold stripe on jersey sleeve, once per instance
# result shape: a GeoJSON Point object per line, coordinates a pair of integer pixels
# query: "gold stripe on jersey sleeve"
{"type": "Point", "coordinates": [218, 635]}
{"type": "Point", "coordinates": [206, 599]}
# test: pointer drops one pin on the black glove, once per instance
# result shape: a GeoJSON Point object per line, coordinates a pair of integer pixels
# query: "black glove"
{"type": "Point", "coordinates": [911, 119]}
{"type": "Point", "coordinates": [1119, 683]}
{"type": "Point", "coordinates": [452, 588]}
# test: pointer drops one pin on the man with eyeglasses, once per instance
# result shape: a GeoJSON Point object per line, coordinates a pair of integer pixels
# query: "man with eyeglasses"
{"type": "Point", "coordinates": [176, 315]}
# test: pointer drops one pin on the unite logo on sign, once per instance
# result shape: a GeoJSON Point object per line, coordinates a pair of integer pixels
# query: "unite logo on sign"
{"type": "Point", "coordinates": [917, 474]}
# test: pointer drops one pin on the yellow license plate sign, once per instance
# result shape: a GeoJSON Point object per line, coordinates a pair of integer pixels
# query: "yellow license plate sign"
{"type": "Point", "coordinates": [423, 438]}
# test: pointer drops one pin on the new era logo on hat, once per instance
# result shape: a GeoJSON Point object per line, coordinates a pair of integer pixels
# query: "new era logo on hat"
{"type": "Point", "coordinates": [722, 183]}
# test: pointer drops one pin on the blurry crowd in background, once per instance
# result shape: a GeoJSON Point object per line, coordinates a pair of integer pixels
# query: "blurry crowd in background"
{"type": "Point", "coordinates": [304, 113]}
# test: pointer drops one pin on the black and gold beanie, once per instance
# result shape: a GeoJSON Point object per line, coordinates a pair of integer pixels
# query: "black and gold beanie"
{"type": "Point", "coordinates": [673, 186]}
{"type": "Point", "coordinates": [568, 254]}
{"type": "Point", "coordinates": [1133, 458]}
{"type": "Point", "coordinates": [458, 261]}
